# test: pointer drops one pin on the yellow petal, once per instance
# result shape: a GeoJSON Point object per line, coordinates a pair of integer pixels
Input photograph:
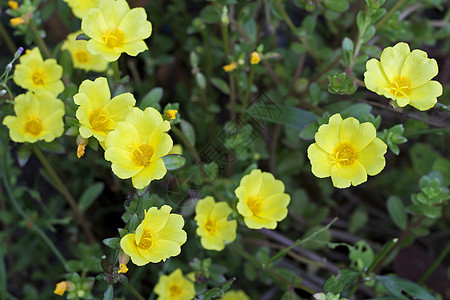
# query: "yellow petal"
{"type": "Point", "coordinates": [133, 48]}
{"type": "Point", "coordinates": [119, 106]}
{"type": "Point", "coordinates": [418, 68]}
{"type": "Point", "coordinates": [162, 143]}
{"type": "Point", "coordinates": [220, 211]}
{"type": "Point", "coordinates": [96, 48]}
{"type": "Point", "coordinates": [115, 10]}
{"type": "Point", "coordinates": [270, 185]}
{"type": "Point", "coordinates": [372, 157]}
{"type": "Point", "coordinates": [173, 230]}
{"type": "Point", "coordinates": [393, 58]}
{"type": "Point", "coordinates": [343, 176]}
{"type": "Point", "coordinates": [122, 166]}
{"type": "Point", "coordinates": [129, 247]}
{"type": "Point", "coordinates": [52, 70]}
{"type": "Point", "coordinates": [374, 78]}
{"type": "Point", "coordinates": [327, 137]}
{"type": "Point", "coordinates": [97, 93]}
{"type": "Point", "coordinates": [320, 161]}
{"type": "Point", "coordinates": [212, 242]}
{"type": "Point", "coordinates": [275, 207]}
{"type": "Point", "coordinates": [135, 25]}
{"type": "Point", "coordinates": [94, 25]}
{"type": "Point", "coordinates": [255, 222]}
{"type": "Point", "coordinates": [252, 182]}
{"type": "Point", "coordinates": [357, 135]}
{"type": "Point", "coordinates": [425, 96]}
{"type": "Point", "coordinates": [155, 170]}
{"type": "Point", "coordinates": [204, 207]}
{"type": "Point", "coordinates": [155, 219]}
{"type": "Point", "coordinates": [162, 251]}
{"type": "Point", "coordinates": [226, 230]}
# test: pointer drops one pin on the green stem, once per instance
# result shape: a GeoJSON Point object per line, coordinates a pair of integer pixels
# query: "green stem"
{"type": "Point", "coordinates": [36, 228]}
{"type": "Point", "coordinates": [116, 70]}
{"type": "Point", "coordinates": [39, 41]}
{"type": "Point", "coordinates": [382, 254]}
{"type": "Point", "coordinates": [247, 91]}
{"type": "Point", "coordinates": [389, 14]}
{"type": "Point", "coordinates": [59, 184]}
{"type": "Point", "coordinates": [132, 290]}
{"type": "Point", "coordinates": [226, 47]}
{"type": "Point", "coordinates": [9, 42]}
{"type": "Point", "coordinates": [435, 264]}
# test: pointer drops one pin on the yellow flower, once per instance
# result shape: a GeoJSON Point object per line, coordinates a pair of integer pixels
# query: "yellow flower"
{"type": "Point", "coordinates": [38, 117]}
{"type": "Point", "coordinates": [170, 114]}
{"type": "Point", "coordinates": [176, 149]}
{"type": "Point", "coordinates": [235, 295]}
{"type": "Point", "coordinates": [81, 58]}
{"type": "Point", "coordinates": [212, 224]}
{"type": "Point", "coordinates": [17, 21]}
{"type": "Point", "coordinates": [35, 74]}
{"type": "Point", "coordinates": [114, 29]}
{"type": "Point", "coordinates": [158, 237]}
{"type": "Point", "coordinates": [123, 268]}
{"type": "Point", "coordinates": [13, 4]}
{"type": "Point", "coordinates": [174, 287]}
{"type": "Point", "coordinates": [404, 76]}
{"type": "Point", "coordinates": [255, 58]}
{"type": "Point", "coordinates": [262, 200]}
{"type": "Point", "coordinates": [136, 146]}
{"type": "Point", "coordinates": [80, 8]}
{"type": "Point", "coordinates": [229, 67]}
{"type": "Point", "coordinates": [61, 287]}
{"type": "Point", "coordinates": [347, 151]}
{"type": "Point", "coordinates": [98, 113]}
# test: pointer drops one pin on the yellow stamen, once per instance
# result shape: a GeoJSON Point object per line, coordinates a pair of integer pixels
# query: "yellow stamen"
{"type": "Point", "coordinates": [82, 56]}
{"type": "Point", "coordinates": [113, 38]}
{"type": "Point", "coordinates": [255, 58]}
{"type": "Point", "coordinates": [38, 77]}
{"type": "Point", "coordinates": [33, 125]}
{"type": "Point", "coordinates": [60, 288]}
{"type": "Point", "coordinates": [210, 226]}
{"type": "Point", "coordinates": [229, 67]}
{"type": "Point", "coordinates": [142, 155]}
{"type": "Point", "coordinates": [175, 291]}
{"type": "Point", "coordinates": [99, 120]}
{"type": "Point", "coordinates": [148, 240]}
{"type": "Point", "coordinates": [254, 205]}
{"type": "Point", "coordinates": [344, 154]}
{"type": "Point", "coordinates": [400, 87]}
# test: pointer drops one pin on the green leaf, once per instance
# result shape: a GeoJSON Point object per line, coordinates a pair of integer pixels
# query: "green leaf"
{"type": "Point", "coordinates": [361, 255]}
{"type": "Point", "coordinates": [90, 195]}
{"type": "Point", "coordinates": [112, 242]}
{"type": "Point", "coordinates": [188, 131]}
{"type": "Point", "coordinates": [133, 223]}
{"type": "Point", "coordinates": [358, 219]}
{"type": "Point", "coordinates": [397, 212]}
{"type": "Point", "coordinates": [109, 293]}
{"type": "Point", "coordinates": [23, 155]}
{"type": "Point", "coordinates": [53, 147]}
{"type": "Point", "coordinates": [152, 98]}
{"type": "Point", "coordinates": [337, 284]}
{"type": "Point", "coordinates": [347, 50]}
{"type": "Point", "coordinates": [211, 14]}
{"type": "Point", "coordinates": [221, 85]}
{"type": "Point", "coordinates": [337, 5]}
{"type": "Point", "coordinates": [201, 80]}
{"type": "Point", "coordinates": [398, 287]}
{"type": "Point", "coordinates": [369, 33]}
{"type": "Point", "coordinates": [218, 291]}
{"type": "Point", "coordinates": [281, 114]}
{"type": "Point", "coordinates": [174, 161]}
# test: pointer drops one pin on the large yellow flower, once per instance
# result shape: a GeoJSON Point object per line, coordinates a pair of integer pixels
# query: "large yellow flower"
{"type": "Point", "coordinates": [136, 146]}
{"type": "Point", "coordinates": [114, 29]}
{"type": "Point", "coordinates": [81, 58]}
{"type": "Point", "coordinates": [347, 151]}
{"type": "Point", "coordinates": [262, 200]}
{"type": "Point", "coordinates": [38, 117]}
{"type": "Point", "coordinates": [80, 8]}
{"type": "Point", "coordinates": [213, 226]}
{"type": "Point", "coordinates": [98, 113]}
{"type": "Point", "coordinates": [174, 287]}
{"type": "Point", "coordinates": [35, 74]}
{"type": "Point", "coordinates": [158, 237]}
{"type": "Point", "coordinates": [404, 76]}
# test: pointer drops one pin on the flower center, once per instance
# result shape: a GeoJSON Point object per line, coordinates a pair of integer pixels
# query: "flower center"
{"type": "Point", "coordinates": [113, 37]}
{"type": "Point", "coordinates": [33, 125]}
{"type": "Point", "coordinates": [82, 56]}
{"type": "Point", "coordinates": [400, 87]}
{"type": "Point", "coordinates": [254, 204]}
{"type": "Point", "coordinates": [174, 291]}
{"type": "Point", "coordinates": [147, 240]}
{"type": "Point", "coordinates": [210, 226]}
{"type": "Point", "coordinates": [38, 77]}
{"type": "Point", "coordinates": [142, 155]}
{"type": "Point", "coordinates": [344, 154]}
{"type": "Point", "coordinates": [99, 120]}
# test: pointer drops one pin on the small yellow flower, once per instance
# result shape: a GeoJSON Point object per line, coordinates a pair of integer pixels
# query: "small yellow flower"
{"type": "Point", "coordinates": [80, 8]}
{"type": "Point", "coordinates": [255, 58]}
{"type": "Point", "coordinates": [35, 74]}
{"type": "Point", "coordinates": [123, 268]}
{"type": "Point", "coordinates": [81, 58]}
{"type": "Point", "coordinates": [230, 67]}
{"type": "Point", "coordinates": [347, 151]}
{"type": "Point", "coordinates": [235, 295]}
{"type": "Point", "coordinates": [80, 150]}
{"type": "Point", "coordinates": [98, 113]}
{"type": "Point", "coordinates": [212, 224]}
{"type": "Point", "coordinates": [158, 237]}
{"type": "Point", "coordinates": [170, 114]}
{"type": "Point", "coordinates": [174, 287]}
{"type": "Point", "coordinates": [136, 146]}
{"type": "Point", "coordinates": [176, 149]}
{"type": "Point", "coordinates": [114, 29]}
{"type": "Point", "coordinates": [262, 200]}
{"type": "Point", "coordinates": [38, 117]}
{"type": "Point", "coordinates": [404, 76]}
{"type": "Point", "coordinates": [13, 4]}
{"type": "Point", "coordinates": [61, 287]}
{"type": "Point", "coordinates": [17, 21]}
